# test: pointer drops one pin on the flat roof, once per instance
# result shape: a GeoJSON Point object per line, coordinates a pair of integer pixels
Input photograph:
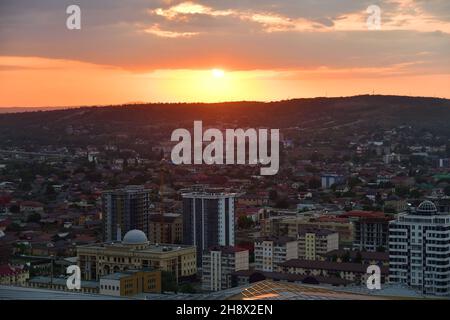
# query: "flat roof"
{"type": "Point", "coordinates": [62, 282]}
{"type": "Point", "coordinates": [24, 293]}
{"type": "Point", "coordinates": [150, 248]}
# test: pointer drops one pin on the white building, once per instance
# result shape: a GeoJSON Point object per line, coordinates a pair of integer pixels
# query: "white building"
{"type": "Point", "coordinates": [269, 251]}
{"type": "Point", "coordinates": [219, 263]}
{"type": "Point", "coordinates": [419, 250]}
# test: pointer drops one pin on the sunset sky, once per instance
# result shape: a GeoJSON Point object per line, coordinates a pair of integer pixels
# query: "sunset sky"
{"type": "Point", "coordinates": [219, 50]}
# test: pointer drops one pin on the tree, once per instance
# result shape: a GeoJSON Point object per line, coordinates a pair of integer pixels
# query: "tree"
{"type": "Point", "coordinates": [346, 257]}
{"type": "Point", "coordinates": [447, 190]}
{"type": "Point", "coordinates": [314, 184]}
{"type": "Point", "coordinates": [187, 288]}
{"type": "Point", "coordinates": [168, 282]}
{"type": "Point", "coordinates": [401, 191]}
{"type": "Point", "coordinates": [25, 186]}
{"type": "Point", "coordinates": [14, 209]}
{"type": "Point", "coordinates": [353, 182]}
{"type": "Point", "coordinates": [13, 227]}
{"type": "Point", "coordinates": [415, 194]}
{"type": "Point", "coordinates": [50, 190]}
{"type": "Point", "coordinates": [358, 258]}
{"type": "Point", "coordinates": [273, 195]}
{"type": "Point", "coordinates": [34, 217]}
{"type": "Point", "coordinates": [245, 222]}
{"type": "Point", "coordinates": [282, 204]}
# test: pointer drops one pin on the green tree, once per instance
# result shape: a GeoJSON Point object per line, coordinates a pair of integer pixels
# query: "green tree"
{"type": "Point", "coordinates": [187, 288]}
{"type": "Point", "coordinates": [447, 190]}
{"type": "Point", "coordinates": [168, 282]}
{"type": "Point", "coordinates": [282, 203]}
{"type": "Point", "coordinates": [34, 217]}
{"type": "Point", "coordinates": [245, 222]}
{"type": "Point", "coordinates": [273, 195]}
{"type": "Point", "coordinates": [314, 184]}
{"type": "Point", "coordinates": [13, 227]}
{"type": "Point", "coordinates": [358, 258]}
{"type": "Point", "coordinates": [346, 257]}
{"type": "Point", "coordinates": [14, 209]}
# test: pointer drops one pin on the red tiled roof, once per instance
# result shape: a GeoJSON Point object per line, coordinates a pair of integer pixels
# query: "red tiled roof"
{"type": "Point", "coordinates": [364, 214]}
{"type": "Point", "coordinates": [7, 270]}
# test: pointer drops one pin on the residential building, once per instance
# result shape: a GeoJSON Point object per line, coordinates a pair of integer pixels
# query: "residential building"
{"type": "Point", "coordinates": [208, 220]}
{"type": "Point", "coordinates": [364, 257]}
{"type": "Point", "coordinates": [253, 200]}
{"type": "Point", "coordinates": [313, 243]}
{"type": "Point", "coordinates": [165, 228]}
{"type": "Point", "coordinates": [419, 250]}
{"type": "Point", "coordinates": [290, 225]}
{"type": "Point", "coordinates": [135, 253]}
{"type": "Point", "coordinates": [354, 272]}
{"type": "Point", "coordinates": [13, 275]}
{"type": "Point", "coordinates": [270, 251]}
{"type": "Point", "coordinates": [124, 210]}
{"type": "Point", "coordinates": [370, 230]}
{"type": "Point", "coordinates": [219, 263]}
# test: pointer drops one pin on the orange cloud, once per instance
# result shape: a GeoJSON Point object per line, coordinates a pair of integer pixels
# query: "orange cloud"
{"type": "Point", "coordinates": [156, 30]}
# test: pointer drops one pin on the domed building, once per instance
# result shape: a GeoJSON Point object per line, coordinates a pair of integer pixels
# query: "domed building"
{"type": "Point", "coordinates": [426, 208]}
{"type": "Point", "coordinates": [419, 250]}
{"type": "Point", "coordinates": [135, 252]}
{"type": "Point", "coordinates": [136, 239]}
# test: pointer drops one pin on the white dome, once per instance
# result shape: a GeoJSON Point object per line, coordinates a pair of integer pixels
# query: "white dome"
{"type": "Point", "coordinates": [135, 237]}
{"type": "Point", "coordinates": [427, 207]}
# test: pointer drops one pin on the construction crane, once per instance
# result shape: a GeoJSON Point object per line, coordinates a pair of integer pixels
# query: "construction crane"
{"type": "Point", "coordinates": [162, 173]}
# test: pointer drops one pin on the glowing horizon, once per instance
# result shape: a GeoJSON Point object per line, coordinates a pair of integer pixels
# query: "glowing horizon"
{"type": "Point", "coordinates": [199, 51]}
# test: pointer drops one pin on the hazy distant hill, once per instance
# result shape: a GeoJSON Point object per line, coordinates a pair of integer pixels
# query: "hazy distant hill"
{"type": "Point", "coordinates": [27, 109]}
{"type": "Point", "coordinates": [372, 111]}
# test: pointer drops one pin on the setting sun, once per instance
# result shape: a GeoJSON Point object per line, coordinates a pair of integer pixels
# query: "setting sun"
{"type": "Point", "coordinates": [218, 73]}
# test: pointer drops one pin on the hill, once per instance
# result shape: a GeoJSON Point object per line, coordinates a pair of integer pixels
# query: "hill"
{"type": "Point", "coordinates": [372, 112]}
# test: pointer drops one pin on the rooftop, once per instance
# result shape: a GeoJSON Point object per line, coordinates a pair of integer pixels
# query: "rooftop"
{"type": "Point", "coordinates": [150, 248]}
{"type": "Point", "coordinates": [228, 249]}
{"type": "Point", "coordinates": [62, 282]}
{"type": "Point", "coordinates": [276, 240]}
{"type": "Point", "coordinates": [23, 293]}
{"type": "Point", "coordinates": [328, 265]}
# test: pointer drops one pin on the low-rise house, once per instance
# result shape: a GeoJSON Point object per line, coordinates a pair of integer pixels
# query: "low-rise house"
{"type": "Point", "coordinates": [13, 275]}
{"type": "Point", "coordinates": [354, 272]}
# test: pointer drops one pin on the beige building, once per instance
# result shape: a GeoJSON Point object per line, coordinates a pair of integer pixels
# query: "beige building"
{"type": "Point", "coordinates": [314, 243]}
{"type": "Point", "coordinates": [219, 263]}
{"type": "Point", "coordinates": [270, 251]}
{"type": "Point", "coordinates": [167, 228]}
{"type": "Point", "coordinates": [130, 283]}
{"type": "Point", "coordinates": [252, 200]}
{"type": "Point", "coordinates": [135, 253]}
{"type": "Point", "coordinates": [290, 226]}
